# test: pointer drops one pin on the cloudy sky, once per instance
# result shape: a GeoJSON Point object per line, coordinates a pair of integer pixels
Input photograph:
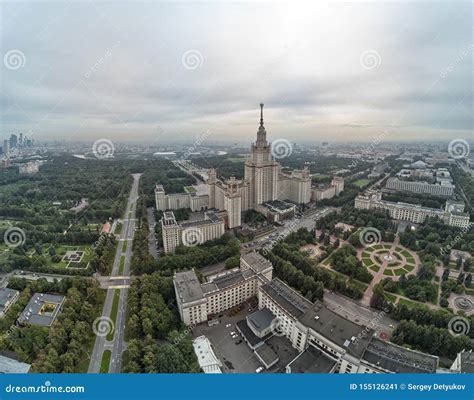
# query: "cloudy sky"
{"type": "Point", "coordinates": [165, 71]}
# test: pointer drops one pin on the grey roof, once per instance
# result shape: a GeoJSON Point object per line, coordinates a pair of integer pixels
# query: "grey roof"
{"type": "Point", "coordinates": [256, 261]}
{"type": "Point", "coordinates": [261, 319]}
{"type": "Point", "coordinates": [467, 362]}
{"type": "Point", "coordinates": [290, 300]}
{"type": "Point", "coordinates": [12, 366]}
{"type": "Point", "coordinates": [227, 280]}
{"type": "Point", "coordinates": [346, 334]}
{"type": "Point", "coordinates": [34, 312]}
{"type": "Point", "coordinates": [187, 285]}
{"type": "Point", "coordinates": [6, 295]}
{"type": "Point", "coordinates": [267, 355]}
{"type": "Point", "coordinates": [399, 359]}
{"type": "Point", "coordinates": [253, 340]}
{"type": "Point", "coordinates": [312, 361]}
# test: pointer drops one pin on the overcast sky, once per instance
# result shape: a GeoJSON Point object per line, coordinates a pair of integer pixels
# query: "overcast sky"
{"type": "Point", "coordinates": [163, 71]}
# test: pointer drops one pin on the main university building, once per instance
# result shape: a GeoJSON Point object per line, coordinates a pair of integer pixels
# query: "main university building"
{"type": "Point", "coordinates": [323, 340]}
{"type": "Point", "coordinates": [265, 188]}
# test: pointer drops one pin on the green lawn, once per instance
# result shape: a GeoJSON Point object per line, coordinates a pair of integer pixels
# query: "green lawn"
{"type": "Point", "coordinates": [360, 285]}
{"type": "Point", "coordinates": [388, 272]}
{"type": "Point", "coordinates": [367, 262]}
{"type": "Point", "coordinates": [113, 313]}
{"type": "Point", "coordinates": [409, 267]}
{"type": "Point", "coordinates": [122, 264]}
{"type": "Point", "coordinates": [104, 364]}
{"type": "Point", "coordinates": [391, 297]}
{"type": "Point", "coordinates": [118, 228]}
{"type": "Point", "coordinates": [361, 182]}
{"type": "Point", "coordinates": [124, 247]}
{"type": "Point", "coordinates": [375, 268]}
{"type": "Point", "coordinates": [189, 189]}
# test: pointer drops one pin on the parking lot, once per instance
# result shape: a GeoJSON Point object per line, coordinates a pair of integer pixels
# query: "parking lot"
{"type": "Point", "coordinates": [235, 358]}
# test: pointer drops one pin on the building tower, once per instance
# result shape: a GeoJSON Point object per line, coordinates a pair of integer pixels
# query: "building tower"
{"type": "Point", "coordinates": [233, 202]}
{"type": "Point", "coordinates": [261, 170]}
{"type": "Point", "coordinates": [211, 187]}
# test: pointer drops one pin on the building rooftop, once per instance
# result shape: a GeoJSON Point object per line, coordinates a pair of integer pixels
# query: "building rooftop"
{"type": "Point", "coordinates": [467, 362]}
{"type": "Point", "coordinates": [6, 295]}
{"type": "Point", "coordinates": [312, 361]}
{"type": "Point", "coordinates": [266, 355]}
{"type": "Point", "coordinates": [187, 285]}
{"type": "Point", "coordinates": [290, 300]}
{"type": "Point", "coordinates": [256, 261]}
{"type": "Point", "coordinates": [42, 309]}
{"type": "Point", "coordinates": [11, 366]}
{"type": "Point", "coordinates": [226, 279]}
{"type": "Point", "coordinates": [344, 333]}
{"type": "Point", "coordinates": [253, 340]}
{"type": "Point", "coordinates": [208, 361]}
{"type": "Point", "coordinates": [261, 319]}
{"type": "Point", "coordinates": [394, 358]}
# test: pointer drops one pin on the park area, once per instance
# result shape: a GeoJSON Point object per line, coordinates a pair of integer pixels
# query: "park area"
{"type": "Point", "coordinates": [394, 261]}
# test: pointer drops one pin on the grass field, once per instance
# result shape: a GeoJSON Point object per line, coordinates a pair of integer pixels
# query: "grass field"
{"type": "Point", "coordinates": [105, 363]}
{"type": "Point", "coordinates": [361, 182]}
{"type": "Point", "coordinates": [124, 247]}
{"type": "Point", "coordinates": [113, 313]}
{"type": "Point", "coordinates": [189, 189]}
{"type": "Point", "coordinates": [122, 265]}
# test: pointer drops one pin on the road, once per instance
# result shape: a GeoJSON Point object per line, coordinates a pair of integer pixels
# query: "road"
{"type": "Point", "coordinates": [118, 279]}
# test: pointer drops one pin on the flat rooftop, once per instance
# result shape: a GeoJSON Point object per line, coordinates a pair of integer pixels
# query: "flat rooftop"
{"type": "Point", "coordinates": [261, 319]}
{"type": "Point", "coordinates": [256, 261]}
{"type": "Point", "coordinates": [290, 300]}
{"type": "Point", "coordinates": [226, 280]}
{"type": "Point", "coordinates": [187, 285]}
{"type": "Point", "coordinates": [346, 334]}
{"type": "Point", "coordinates": [312, 361]}
{"type": "Point", "coordinates": [267, 355]}
{"type": "Point", "coordinates": [42, 309]}
{"type": "Point", "coordinates": [399, 359]}
{"type": "Point", "coordinates": [11, 366]}
{"type": "Point", "coordinates": [278, 205]}
{"type": "Point", "coordinates": [6, 295]}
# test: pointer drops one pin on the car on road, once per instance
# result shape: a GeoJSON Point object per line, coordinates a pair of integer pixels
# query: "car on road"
{"type": "Point", "coordinates": [259, 369]}
{"type": "Point", "coordinates": [232, 333]}
{"type": "Point", "coordinates": [228, 325]}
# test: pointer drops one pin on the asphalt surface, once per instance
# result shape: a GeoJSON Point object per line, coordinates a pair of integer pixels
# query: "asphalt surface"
{"type": "Point", "coordinates": [117, 345]}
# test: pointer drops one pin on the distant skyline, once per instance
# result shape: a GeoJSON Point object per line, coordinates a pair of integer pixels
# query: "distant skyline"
{"type": "Point", "coordinates": [163, 72]}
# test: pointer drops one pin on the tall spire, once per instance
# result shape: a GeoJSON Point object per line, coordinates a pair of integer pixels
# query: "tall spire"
{"type": "Point", "coordinates": [261, 134]}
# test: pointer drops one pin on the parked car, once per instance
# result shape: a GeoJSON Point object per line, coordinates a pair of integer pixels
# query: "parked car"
{"type": "Point", "coordinates": [259, 369]}
{"type": "Point", "coordinates": [228, 325]}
